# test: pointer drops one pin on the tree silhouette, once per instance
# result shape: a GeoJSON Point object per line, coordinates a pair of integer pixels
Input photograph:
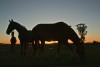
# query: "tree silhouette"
{"type": "Point", "coordinates": [82, 30]}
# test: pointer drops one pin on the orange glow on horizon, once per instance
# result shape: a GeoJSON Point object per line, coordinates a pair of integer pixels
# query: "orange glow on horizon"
{"type": "Point", "coordinates": [7, 41]}
{"type": "Point", "coordinates": [47, 42]}
{"type": "Point", "coordinates": [51, 42]}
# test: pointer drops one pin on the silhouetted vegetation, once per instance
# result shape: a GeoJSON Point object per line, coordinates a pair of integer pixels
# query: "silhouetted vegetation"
{"type": "Point", "coordinates": [95, 43]}
{"type": "Point", "coordinates": [82, 31]}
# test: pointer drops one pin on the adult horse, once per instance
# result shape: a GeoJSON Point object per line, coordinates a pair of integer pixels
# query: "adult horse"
{"type": "Point", "coordinates": [24, 35]}
{"type": "Point", "coordinates": [60, 32]}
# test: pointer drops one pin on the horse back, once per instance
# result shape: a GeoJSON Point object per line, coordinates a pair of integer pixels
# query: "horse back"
{"type": "Point", "coordinates": [50, 31]}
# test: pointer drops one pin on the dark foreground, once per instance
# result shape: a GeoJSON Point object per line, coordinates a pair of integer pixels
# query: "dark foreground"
{"type": "Point", "coordinates": [49, 58]}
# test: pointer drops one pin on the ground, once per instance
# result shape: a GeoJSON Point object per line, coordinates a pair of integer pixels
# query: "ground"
{"type": "Point", "coordinates": [49, 58]}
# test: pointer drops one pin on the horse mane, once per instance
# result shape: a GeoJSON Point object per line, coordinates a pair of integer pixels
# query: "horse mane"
{"type": "Point", "coordinates": [61, 23]}
{"type": "Point", "coordinates": [20, 25]}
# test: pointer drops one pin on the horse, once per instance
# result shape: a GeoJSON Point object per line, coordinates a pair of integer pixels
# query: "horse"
{"type": "Point", "coordinates": [24, 34]}
{"type": "Point", "coordinates": [60, 32]}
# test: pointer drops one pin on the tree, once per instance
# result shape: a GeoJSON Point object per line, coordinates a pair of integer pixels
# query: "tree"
{"type": "Point", "coordinates": [82, 30]}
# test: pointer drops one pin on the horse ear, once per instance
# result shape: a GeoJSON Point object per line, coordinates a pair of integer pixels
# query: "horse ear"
{"type": "Point", "coordinates": [12, 20]}
{"type": "Point", "coordinates": [9, 21]}
{"type": "Point", "coordinates": [69, 26]}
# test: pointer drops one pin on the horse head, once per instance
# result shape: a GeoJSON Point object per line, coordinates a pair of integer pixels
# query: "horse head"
{"type": "Point", "coordinates": [11, 27]}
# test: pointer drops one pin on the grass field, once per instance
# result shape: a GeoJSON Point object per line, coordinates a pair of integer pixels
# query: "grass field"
{"type": "Point", "coordinates": [49, 58]}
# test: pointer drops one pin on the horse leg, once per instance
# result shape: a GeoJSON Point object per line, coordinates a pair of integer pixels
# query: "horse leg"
{"type": "Point", "coordinates": [37, 45]}
{"type": "Point", "coordinates": [69, 46]}
{"type": "Point", "coordinates": [42, 45]}
{"type": "Point", "coordinates": [81, 52]}
{"type": "Point", "coordinates": [21, 49]}
{"type": "Point", "coordinates": [34, 44]}
{"type": "Point", "coordinates": [59, 45]}
{"type": "Point", "coordinates": [11, 48]}
{"type": "Point", "coordinates": [33, 47]}
{"type": "Point", "coordinates": [14, 48]}
{"type": "Point", "coordinates": [73, 51]}
{"type": "Point", "coordinates": [24, 49]}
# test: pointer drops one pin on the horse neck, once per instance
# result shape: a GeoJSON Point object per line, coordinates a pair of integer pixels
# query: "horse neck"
{"type": "Point", "coordinates": [74, 37]}
{"type": "Point", "coordinates": [21, 29]}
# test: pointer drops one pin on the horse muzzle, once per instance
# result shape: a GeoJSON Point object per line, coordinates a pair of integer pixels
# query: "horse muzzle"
{"type": "Point", "coordinates": [7, 33]}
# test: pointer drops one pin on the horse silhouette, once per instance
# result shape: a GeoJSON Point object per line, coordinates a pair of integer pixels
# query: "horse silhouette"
{"type": "Point", "coordinates": [24, 34]}
{"type": "Point", "coordinates": [60, 32]}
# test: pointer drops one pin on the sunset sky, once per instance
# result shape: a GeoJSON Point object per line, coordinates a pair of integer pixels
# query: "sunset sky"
{"type": "Point", "coordinates": [32, 12]}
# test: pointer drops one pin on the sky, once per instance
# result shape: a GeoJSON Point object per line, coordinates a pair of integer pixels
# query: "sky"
{"type": "Point", "coordinates": [32, 12]}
